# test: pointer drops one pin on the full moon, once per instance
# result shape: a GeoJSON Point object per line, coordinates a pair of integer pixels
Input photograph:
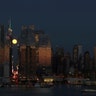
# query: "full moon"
{"type": "Point", "coordinates": [14, 41]}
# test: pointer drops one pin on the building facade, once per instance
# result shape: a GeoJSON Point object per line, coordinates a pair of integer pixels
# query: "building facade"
{"type": "Point", "coordinates": [77, 53]}
{"type": "Point", "coordinates": [34, 51]}
{"type": "Point", "coordinates": [95, 58]}
{"type": "Point", "coordinates": [2, 51]}
{"type": "Point", "coordinates": [4, 55]}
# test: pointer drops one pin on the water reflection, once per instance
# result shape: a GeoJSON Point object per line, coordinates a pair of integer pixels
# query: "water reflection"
{"type": "Point", "coordinates": [61, 90]}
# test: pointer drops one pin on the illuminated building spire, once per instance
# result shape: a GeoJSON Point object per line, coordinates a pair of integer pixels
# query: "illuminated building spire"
{"type": "Point", "coordinates": [9, 32]}
{"type": "Point", "coordinates": [9, 27]}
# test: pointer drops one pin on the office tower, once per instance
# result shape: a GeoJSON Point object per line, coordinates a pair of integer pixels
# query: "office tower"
{"type": "Point", "coordinates": [4, 56]}
{"type": "Point", "coordinates": [87, 63]}
{"type": "Point", "coordinates": [2, 36]}
{"type": "Point", "coordinates": [8, 53]}
{"type": "Point", "coordinates": [59, 55]}
{"type": "Point", "coordinates": [26, 50]}
{"type": "Point", "coordinates": [1, 49]}
{"type": "Point", "coordinates": [67, 63]}
{"type": "Point", "coordinates": [87, 60]}
{"type": "Point", "coordinates": [92, 65]}
{"type": "Point", "coordinates": [1, 61]}
{"type": "Point", "coordinates": [95, 58]}
{"type": "Point", "coordinates": [53, 62]}
{"type": "Point", "coordinates": [35, 50]}
{"type": "Point", "coordinates": [44, 50]}
{"type": "Point", "coordinates": [77, 53]}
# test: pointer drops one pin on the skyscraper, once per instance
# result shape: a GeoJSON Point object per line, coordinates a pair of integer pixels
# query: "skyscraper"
{"type": "Point", "coordinates": [35, 50]}
{"type": "Point", "coordinates": [77, 57]}
{"type": "Point", "coordinates": [87, 62]}
{"type": "Point", "coordinates": [1, 49]}
{"type": "Point", "coordinates": [2, 35]}
{"type": "Point", "coordinates": [8, 53]}
{"type": "Point", "coordinates": [4, 55]}
{"type": "Point", "coordinates": [77, 52]}
{"type": "Point", "coordinates": [95, 58]}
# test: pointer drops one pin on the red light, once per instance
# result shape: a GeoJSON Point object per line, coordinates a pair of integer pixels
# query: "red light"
{"type": "Point", "coordinates": [15, 76]}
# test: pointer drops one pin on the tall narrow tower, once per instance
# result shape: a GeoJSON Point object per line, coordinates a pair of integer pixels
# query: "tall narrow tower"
{"type": "Point", "coordinates": [8, 52]}
{"type": "Point", "coordinates": [1, 49]}
{"type": "Point", "coordinates": [10, 29]}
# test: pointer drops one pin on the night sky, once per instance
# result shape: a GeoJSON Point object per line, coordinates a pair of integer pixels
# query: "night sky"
{"type": "Point", "coordinates": [67, 22]}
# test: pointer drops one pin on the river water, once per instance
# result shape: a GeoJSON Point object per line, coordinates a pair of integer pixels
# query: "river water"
{"type": "Point", "coordinates": [64, 90]}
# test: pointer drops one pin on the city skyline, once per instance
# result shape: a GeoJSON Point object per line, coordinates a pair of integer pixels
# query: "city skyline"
{"type": "Point", "coordinates": [37, 58]}
{"type": "Point", "coordinates": [66, 22]}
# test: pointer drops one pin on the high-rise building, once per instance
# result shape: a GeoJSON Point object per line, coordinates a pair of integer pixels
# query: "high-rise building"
{"type": "Point", "coordinates": [35, 50]}
{"type": "Point", "coordinates": [59, 60]}
{"type": "Point", "coordinates": [2, 51]}
{"type": "Point", "coordinates": [4, 56]}
{"type": "Point", "coordinates": [67, 63]}
{"type": "Point", "coordinates": [8, 53]}
{"type": "Point", "coordinates": [87, 59]}
{"type": "Point", "coordinates": [77, 53]}
{"type": "Point", "coordinates": [44, 56]}
{"type": "Point", "coordinates": [95, 58]}
{"type": "Point", "coordinates": [2, 36]}
{"type": "Point", "coordinates": [87, 62]}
